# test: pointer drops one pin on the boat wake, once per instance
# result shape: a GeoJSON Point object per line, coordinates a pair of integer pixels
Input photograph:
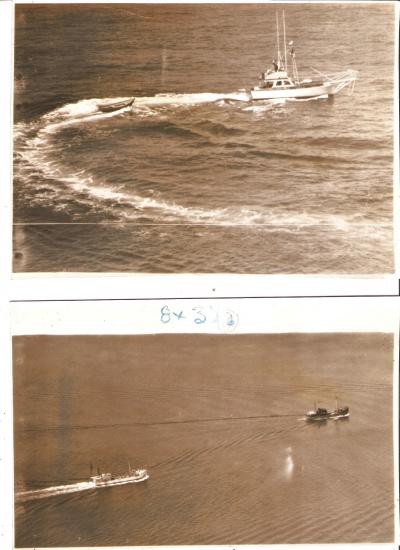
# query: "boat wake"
{"type": "Point", "coordinates": [96, 482]}
{"type": "Point", "coordinates": [53, 491]}
{"type": "Point", "coordinates": [39, 148]}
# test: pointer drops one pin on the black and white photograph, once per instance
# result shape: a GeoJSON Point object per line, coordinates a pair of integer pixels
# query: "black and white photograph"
{"type": "Point", "coordinates": [203, 439]}
{"type": "Point", "coordinates": [200, 307]}
{"type": "Point", "coordinates": [204, 138]}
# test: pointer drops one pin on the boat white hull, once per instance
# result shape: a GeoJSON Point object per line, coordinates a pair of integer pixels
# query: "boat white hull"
{"type": "Point", "coordinates": [292, 93]}
{"type": "Point", "coordinates": [121, 481]}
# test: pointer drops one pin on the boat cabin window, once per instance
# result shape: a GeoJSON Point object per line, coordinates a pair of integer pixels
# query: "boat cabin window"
{"type": "Point", "coordinates": [283, 83]}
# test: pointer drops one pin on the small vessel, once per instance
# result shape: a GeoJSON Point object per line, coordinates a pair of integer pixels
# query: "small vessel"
{"type": "Point", "coordinates": [340, 412]}
{"type": "Point", "coordinates": [95, 482]}
{"type": "Point", "coordinates": [276, 83]}
{"type": "Point", "coordinates": [108, 480]}
{"type": "Point", "coordinates": [110, 107]}
{"type": "Point", "coordinates": [320, 414]}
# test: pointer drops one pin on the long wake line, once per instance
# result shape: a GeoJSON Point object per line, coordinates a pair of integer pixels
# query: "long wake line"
{"type": "Point", "coordinates": [159, 423]}
{"type": "Point", "coordinates": [200, 224]}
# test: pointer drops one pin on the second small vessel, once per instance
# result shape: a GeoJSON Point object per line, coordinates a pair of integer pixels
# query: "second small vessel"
{"type": "Point", "coordinates": [110, 107]}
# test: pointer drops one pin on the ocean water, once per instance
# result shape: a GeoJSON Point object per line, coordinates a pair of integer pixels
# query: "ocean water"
{"type": "Point", "coordinates": [219, 423]}
{"type": "Point", "coordinates": [186, 181]}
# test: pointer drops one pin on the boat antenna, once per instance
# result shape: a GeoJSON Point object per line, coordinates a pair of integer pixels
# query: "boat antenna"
{"type": "Point", "coordinates": [277, 39]}
{"type": "Point", "coordinates": [91, 469]}
{"type": "Point", "coordinates": [129, 467]}
{"type": "Point", "coordinates": [98, 471]}
{"type": "Point", "coordinates": [284, 37]}
{"type": "Point", "coordinates": [294, 65]}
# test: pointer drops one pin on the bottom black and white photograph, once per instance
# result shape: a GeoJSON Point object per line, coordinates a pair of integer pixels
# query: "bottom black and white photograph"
{"type": "Point", "coordinates": [265, 437]}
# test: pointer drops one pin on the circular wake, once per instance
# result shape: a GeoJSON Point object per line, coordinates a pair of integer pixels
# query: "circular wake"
{"type": "Point", "coordinates": [45, 180]}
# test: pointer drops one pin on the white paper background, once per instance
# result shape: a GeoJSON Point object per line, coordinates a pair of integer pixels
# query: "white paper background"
{"type": "Point", "coordinates": [257, 315]}
{"type": "Point", "coordinates": [126, 317]}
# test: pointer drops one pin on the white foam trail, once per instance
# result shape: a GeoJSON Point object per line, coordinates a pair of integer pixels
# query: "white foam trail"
{"type": "Point", "coordinates": [52, 491]}
{"type": "Point", "coordinates": [190, 99]}
{"type": "Point", "coordinates": [170, 212]}
{"type": "Point", "coordinates": [86, 185]}
{"type": "Point", "coordinates": [299, 99]}
{"type": "Point", "coordinates": [88, 117]}
{"type": "Point", "coordinates": [81, 109]}
{"type": "Point", "coordinates": [19, 130]}
{"type": "Point", "coordinates": [73, 110]}
{"type": "Point", "coordinates": [88, 109]}
{"type": "Point", "coordinates": [190, 214]}
{"type": "Point", "coordinates": [267, 105]}
{"type": "Point", "coordinates": [35, 152]}
{"type": "Point", "coordinates": [235, 216]}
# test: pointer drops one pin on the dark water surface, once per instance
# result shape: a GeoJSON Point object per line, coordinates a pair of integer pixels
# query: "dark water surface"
{"type": "Point", "coordinates": [218, 421]}
{"type": "Point", "coordinates": [185, 182]}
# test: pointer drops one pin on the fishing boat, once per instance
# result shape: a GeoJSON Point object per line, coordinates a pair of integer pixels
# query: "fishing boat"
{"type": "Point", "coordinates": [95, 482]}
{"type": "Point", "coordinates": [321, 414]}
{"type": "Point", "coordinates": [108, 480]}
{"type": "Point", "coordinates": [277, 83]}
{"type": "Point", "coordinates": [110, 107]}
{"type": "Point", "coordinates": [318, 414]}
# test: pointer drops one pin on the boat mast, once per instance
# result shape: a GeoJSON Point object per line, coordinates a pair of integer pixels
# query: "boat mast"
{"type": "Point", "coordinates": [284, 37]}
{"type": "Point", "coordinates": [277, 40]}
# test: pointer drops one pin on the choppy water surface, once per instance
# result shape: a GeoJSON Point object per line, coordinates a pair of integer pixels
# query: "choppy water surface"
{"type": "Point", "coordinates": [185, 181]}
{"type": "Point", "coordinates": [219, 423]}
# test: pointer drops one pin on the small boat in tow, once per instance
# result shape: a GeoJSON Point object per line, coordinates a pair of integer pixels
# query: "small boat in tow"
{"type": "Point", "coordinates": [320, 414]}
{"type": "Point", "coordinates": [276, 83]}
{"type": "Point", "coordinates": [110, 107]}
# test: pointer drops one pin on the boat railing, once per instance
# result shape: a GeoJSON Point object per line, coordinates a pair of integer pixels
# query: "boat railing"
{"type": "Point", "coordinates": [341, 79]}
